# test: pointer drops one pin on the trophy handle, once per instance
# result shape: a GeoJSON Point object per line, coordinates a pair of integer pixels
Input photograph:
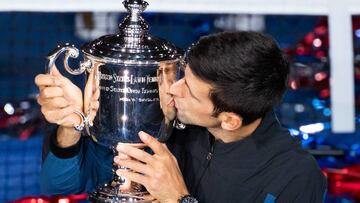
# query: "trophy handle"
{"type": "Point", "coordinates": [70, 51]}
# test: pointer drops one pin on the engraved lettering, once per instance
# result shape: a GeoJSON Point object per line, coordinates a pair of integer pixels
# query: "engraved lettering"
{"type": "Point", "coordinates": [150, 79]}
{"type": "Point", "coordinates": [123, 79]}
{"type": "Point", "coordinates": [124, 99]}
{"type": "Point", "coordinates": [105, 76]}
{"type": "Point", "coordinates": [128, 79]}
{"type": "Point", "coordinates": [149, 99]}
{"type": "Point", "coordinates": [147, 91]}
{"type": "Point", "coordinates": [135, 80]}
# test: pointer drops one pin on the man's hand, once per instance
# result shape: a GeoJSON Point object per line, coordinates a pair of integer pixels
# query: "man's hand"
{"type": "Point", "coordinates": [159, 173]}
{"type": "Point", "coordinates": [59, 98]}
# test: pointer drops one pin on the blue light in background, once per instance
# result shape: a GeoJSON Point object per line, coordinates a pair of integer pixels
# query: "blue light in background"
{"type": "Point", "coordinates": [305, 136]}
{"type": "Point", "coordinates": [327, 125]}
{"type": "Point", "coordinates": [317, 103]}
{"type": "Point", "coordinates": [294, 132]}
{"type": "Point", "coordinates": [357, 33]}
{"type": "Point", "coordinates": [307, 140]}
{"type": "Point", "coordinates": [327, 112]}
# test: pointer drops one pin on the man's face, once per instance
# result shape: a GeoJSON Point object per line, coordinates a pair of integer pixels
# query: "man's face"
{"type": "Point", "coordinates": [166, 77]}
{"type": "Point", "coordinates": [191, 99]}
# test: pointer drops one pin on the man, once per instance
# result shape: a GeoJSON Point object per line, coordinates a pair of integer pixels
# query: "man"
{"type": "Point", "coordinates": [234, 149]}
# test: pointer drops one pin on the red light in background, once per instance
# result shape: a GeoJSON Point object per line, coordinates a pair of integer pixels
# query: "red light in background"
{"type": "Point", "coordinates": [293, 85]}
{"type": "Point", "coordinates": [64, 200]}
{"type": "Point", "coordinates": [321, 30]}
{"type": "Point", "coordinates": [324, 93]}
{"type": "Point", "coordinates": [300, 50]}
{"type": "Point", "coordinates": [320, 54]}
{"type": "Point", "coordinates": [320, 76]}
{"type": "Point", "coordinates": [309, 38]}
{"type": "Point", "coordinates": [317, 42]}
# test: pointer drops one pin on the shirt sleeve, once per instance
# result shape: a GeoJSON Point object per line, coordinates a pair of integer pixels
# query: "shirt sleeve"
{"type": "Point", "coordinates": [60, 176]}
{"type": "Point", "coordinates": [75, 169]}
{"type": "Point", "coordinates": [307, 188]}
{"type": "Point", "coordinates": [61, 172]}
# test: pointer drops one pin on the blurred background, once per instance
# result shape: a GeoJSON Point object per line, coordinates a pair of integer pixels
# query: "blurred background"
{"type": "Point", "coordinates": [322, 113]}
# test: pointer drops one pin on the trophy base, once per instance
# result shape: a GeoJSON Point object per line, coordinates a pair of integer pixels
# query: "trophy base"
{"type": "Point", "coordinates": [110, 194]}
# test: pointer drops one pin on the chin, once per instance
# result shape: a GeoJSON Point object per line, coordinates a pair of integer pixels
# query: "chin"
{"type": "Point", "coordinates": [183, 119]}
{"type": "Point", "coordinates": [170, 115]}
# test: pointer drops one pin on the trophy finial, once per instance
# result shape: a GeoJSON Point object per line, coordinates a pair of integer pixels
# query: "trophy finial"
{"type": "Point", "coordinates": [134, 26]}
{"type": "Point", "coordinates": [135, 5]}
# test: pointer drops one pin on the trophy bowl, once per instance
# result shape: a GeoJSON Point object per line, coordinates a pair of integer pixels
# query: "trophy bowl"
{"type": "Point", "coordinates": [129, 74]}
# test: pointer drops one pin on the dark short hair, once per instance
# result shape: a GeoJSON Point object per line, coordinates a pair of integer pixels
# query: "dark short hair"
{"type": "Point", "coordinates": [247, 70]}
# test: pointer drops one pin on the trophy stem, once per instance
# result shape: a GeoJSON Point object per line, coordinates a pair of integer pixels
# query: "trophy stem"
{"type": "Point", "coordinates": [120, 190]}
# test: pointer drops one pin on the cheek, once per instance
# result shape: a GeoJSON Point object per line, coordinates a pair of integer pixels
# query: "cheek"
{"type": "Point", "coordinates": [204, 120]}
{"type": "Point", "coordinates": [198, 110]}
{"type": "Point", "coordinates": [207, 108]}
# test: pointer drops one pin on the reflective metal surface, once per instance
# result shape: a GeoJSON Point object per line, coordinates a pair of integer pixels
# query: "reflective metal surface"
{"type": "Point", "coordinates": [109, 193]}
{"type": "Point", "coordinates": [127, 99]}
{"type": "Point", "coordinates": [132, 44]}
{"type": "Point", "coordinates": [127, 91]}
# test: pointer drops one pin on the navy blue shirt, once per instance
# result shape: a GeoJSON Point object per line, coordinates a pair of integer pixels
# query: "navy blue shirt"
{"type": "Point", "coordinates": [267, 166]}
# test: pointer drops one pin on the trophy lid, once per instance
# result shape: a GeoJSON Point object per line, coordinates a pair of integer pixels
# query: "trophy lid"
{"type": "Point", "coordinates": [132, 43]}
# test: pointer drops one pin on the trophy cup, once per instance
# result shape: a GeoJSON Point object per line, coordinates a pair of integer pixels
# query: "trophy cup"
{"type": "Point", "coordinates": [129, 74]}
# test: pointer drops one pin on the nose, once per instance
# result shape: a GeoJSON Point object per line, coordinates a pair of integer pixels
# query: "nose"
{"type": "Point", "coordinates": [177, 89]}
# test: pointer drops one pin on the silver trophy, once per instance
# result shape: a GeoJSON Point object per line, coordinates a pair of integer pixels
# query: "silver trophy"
{"type": "Point", "coordinates": [129, 74]}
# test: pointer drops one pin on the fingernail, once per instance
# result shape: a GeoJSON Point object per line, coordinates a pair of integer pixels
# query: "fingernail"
{"type": "Point", "coordinates": [142, 135]}
{"type": "Point", "coordinates": [120, 147]}
{"type": "Point", "coordinates": [116, 159]}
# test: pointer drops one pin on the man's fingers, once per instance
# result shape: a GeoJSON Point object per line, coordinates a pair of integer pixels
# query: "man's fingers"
{"type": "Point", "coordinates": [96, 94]}
{"type": "Point", "coordinates": [153, 143]}
{"type": "Point", "coordinates": [133, 176]}
{"type": "Point", "coordinates": [55, 72]}
{"type": "Point", "coordinates": [53, 103]}
{"type": "Point", "coordinates": [136, 153]}
{"type": "Point", "coordinates": [55, 116]}
{"type": "Point", "coordinates": [40, 101]}
{"type": "Point", "coordinates": [95, 105]}
{"type": "Point", "coordinates": [65, 111]}
{"type": "Point", "coordinates": [47, 80]}
{"type": "Point", "coordinates": [58, 102]}
{"type": "Point", "coordinates": [134, 165]}
{"type": "Point", "coordinates": [51, 92]}
{"type": "Point", "coordinates": [71, 120]}
{"type": "Point", "coordinates": [122, 156]}
{"type": "Point", "coordinates": [53, 79]}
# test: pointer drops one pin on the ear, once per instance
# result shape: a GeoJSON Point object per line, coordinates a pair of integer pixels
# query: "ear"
{"type": "Point", "coordinates": [230, 121]}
